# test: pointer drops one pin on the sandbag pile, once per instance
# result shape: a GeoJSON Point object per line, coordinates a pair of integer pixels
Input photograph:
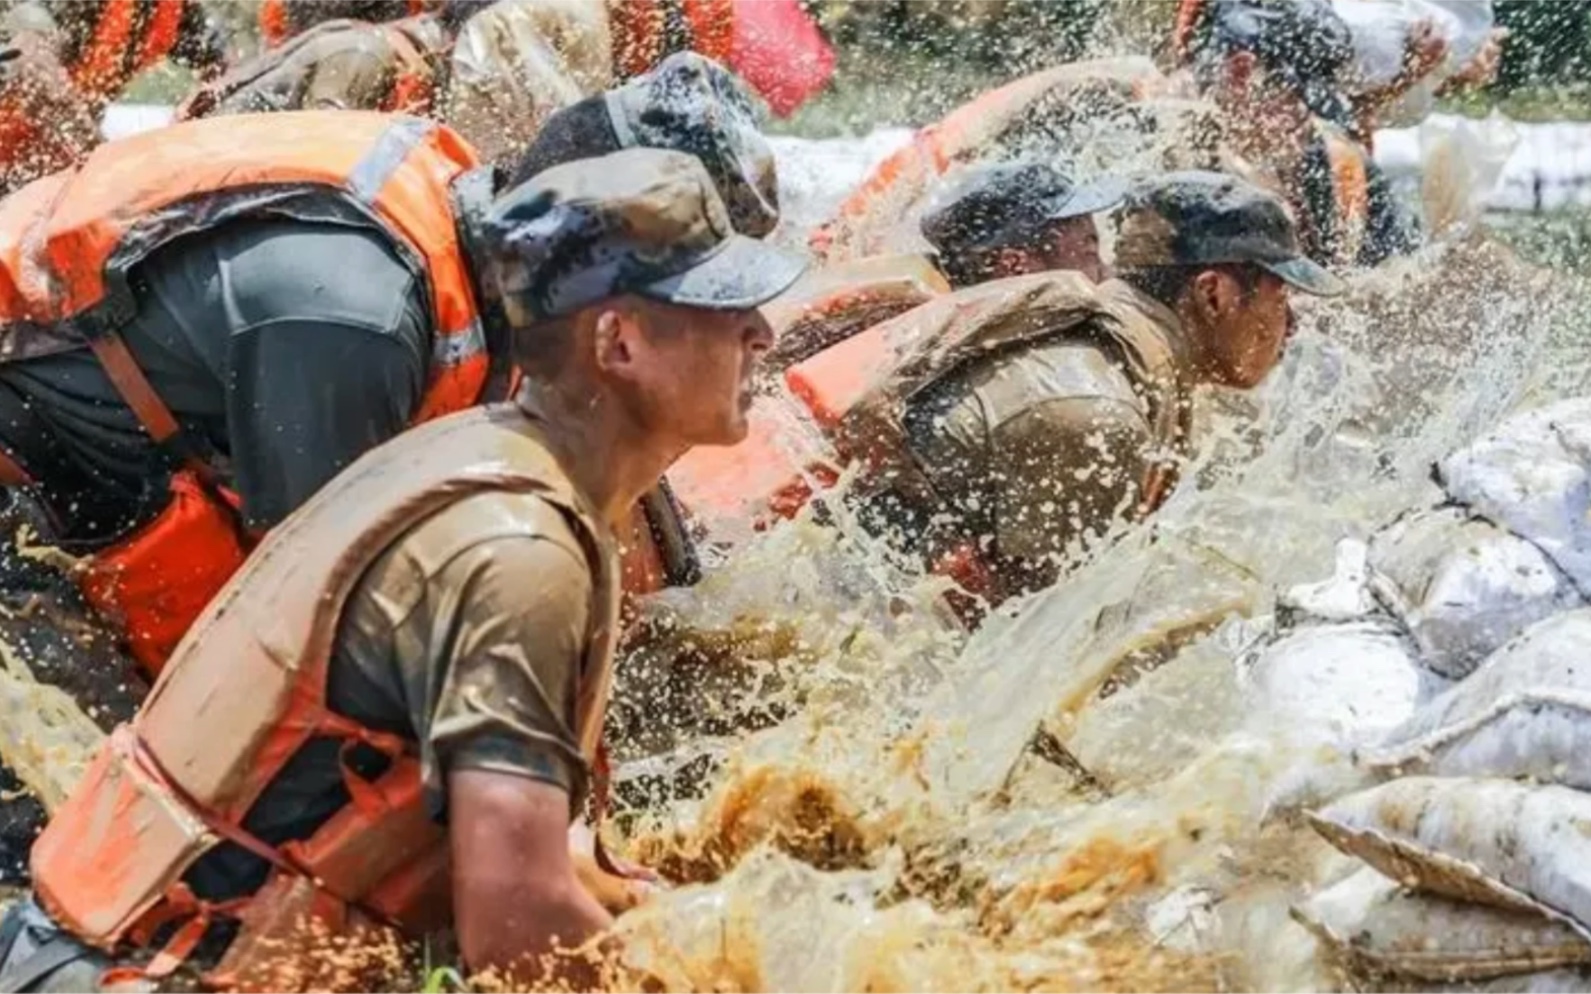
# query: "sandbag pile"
{"type": "Point", "coordinates": [1476, 843]}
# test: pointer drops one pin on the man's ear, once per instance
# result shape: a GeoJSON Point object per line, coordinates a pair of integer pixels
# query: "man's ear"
{"type": "Point", "coordinates": [616, 335]}
{"type": "Point", "coordinates": [1240, 67]}
{"type": "Point", "coordinates": [1211, 291]}
{"type": "Point", "coordinates": [1011, 261]}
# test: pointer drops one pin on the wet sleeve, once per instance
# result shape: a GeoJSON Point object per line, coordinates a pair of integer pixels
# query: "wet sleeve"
{"type": "Point", "coordinates": [503, 658]}
{"type": "Point", "coordinates": [310, 393]}
{"type": "Point", "coordinates": [1066, 469]}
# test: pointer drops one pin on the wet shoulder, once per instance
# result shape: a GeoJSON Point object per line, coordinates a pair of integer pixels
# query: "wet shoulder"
{"type": "Point", "coordinates": [262, 272]}
{"type": "Point", "coordinates": [498, 526]}
{"type": "Point", "coordinates": [1010, 386]}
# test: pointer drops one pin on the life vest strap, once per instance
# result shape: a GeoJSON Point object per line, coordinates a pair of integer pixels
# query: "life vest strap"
{"type": "Point", "coordinates": [135, 389]}
{"type": "Point", "coordinates": [11, 472]}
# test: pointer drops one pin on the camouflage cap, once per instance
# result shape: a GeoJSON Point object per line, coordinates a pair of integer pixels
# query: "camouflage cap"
{"type": "Point", "coordinates": [642, 221]}
{"type": "Point", "coordinates": [690, 103]}
{"type": "Point", "coordinates": [1007, 203]}
{"type": "Point", "coordinates": [1206, 219]}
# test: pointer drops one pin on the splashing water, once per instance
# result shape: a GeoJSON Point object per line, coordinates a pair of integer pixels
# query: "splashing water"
{"type": "Point", "coordinates": [1087, 793]}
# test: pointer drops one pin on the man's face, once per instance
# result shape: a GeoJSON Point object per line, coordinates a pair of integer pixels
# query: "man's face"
{"type": "Point", "coordinates": [1072, 244]}
{"type": "Point", "coordinates": [692, 371]}
{"type": "Point", "coordinates": [1249, 329]}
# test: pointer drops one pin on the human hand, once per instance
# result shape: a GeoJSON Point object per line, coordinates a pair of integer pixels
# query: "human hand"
{"type": "Point", "coordinates": [1482, 69]}
{"type": "Point", "coordinates": [1423, 50]}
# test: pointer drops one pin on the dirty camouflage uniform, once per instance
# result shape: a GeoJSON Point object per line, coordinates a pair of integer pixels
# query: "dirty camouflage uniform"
{"type": "Point", "coordinates": [1074, 418]}
{"type": "Point", "coordinates": [335, 65]}
{"type": "Point", "coordinates": [437, 642]}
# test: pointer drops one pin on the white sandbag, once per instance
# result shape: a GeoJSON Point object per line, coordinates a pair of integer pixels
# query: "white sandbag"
{"type": "Point", "coordinates": [1564, 981]}
{"type": "Point", "coordinates": [1344, 597]}
{"type": "Point", "coordinates": [1463, 162]}
{"type": "Point", "coordinates": [1376, 926]}
{"type": "Point", "coordinates": [1531, 477]}
{"type": "Point", "coordinates": [1525, 713]}
{"type": "Point", "coordinates": [1344, 684]}
{"type": "Point", "coordinates": [1496, 842]}
{"type": "Point", "coordinates": [1463, 586]}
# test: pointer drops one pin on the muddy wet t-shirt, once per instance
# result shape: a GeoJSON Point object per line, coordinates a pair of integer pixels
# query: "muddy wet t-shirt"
{"type": "Point", "coordinates": [469, 636]}
{"type": "Point", "coordinates": [288, 348]}
{"type": "Point", "coordinates": [1037, 447]}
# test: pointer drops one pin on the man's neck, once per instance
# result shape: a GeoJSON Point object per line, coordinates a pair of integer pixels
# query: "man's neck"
{"type": "Point", "coordinates": [606, 456]}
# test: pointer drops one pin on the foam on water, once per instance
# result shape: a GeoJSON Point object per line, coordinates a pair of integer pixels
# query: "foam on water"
{"type": "Point", "coordinates": [890, 828]}
{"type": "Point", "coordinates": [845, 786]}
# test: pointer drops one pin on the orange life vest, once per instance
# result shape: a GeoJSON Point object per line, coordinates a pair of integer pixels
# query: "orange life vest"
{"type": "Point", "coordinates": [855, 393]}
{"type": "Point", "coordinates": [922, 346]}
{"type": "Point", "coordinates": [120, 47]}
{"type": "Point", "coordinates": [247, 689]}
{"type": "Point", "coordinates": [68, 241]}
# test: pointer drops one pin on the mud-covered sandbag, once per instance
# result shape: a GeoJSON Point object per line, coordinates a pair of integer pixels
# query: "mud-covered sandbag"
{"type": "Point", "coordinates": [1463, 586]}
{"type": "Point", "coordinates": [1343, 683]}
{"type": "Point", "coordinates": [1496, 842]}
{"type": "Point", "coordinates": [1374, 925]}
{"type": "Point", "coordinates": [1525, 713]}
{"type": "Point", "coordinates": [1531, 475]}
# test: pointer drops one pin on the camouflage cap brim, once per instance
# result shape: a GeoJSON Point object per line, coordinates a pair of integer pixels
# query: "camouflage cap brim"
{"type": "Point", "coordinates": [1100, 195]}
{"type": "Point", "coordinates": [743, 273]}
{"type": "Point", "coordinates": [1307, 275]}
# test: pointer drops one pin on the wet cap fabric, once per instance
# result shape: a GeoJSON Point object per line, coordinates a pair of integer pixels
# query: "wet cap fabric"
{"type": "Point", "coordinates": [1302, 42]}
{"type": "Point", "coordinates": [1206, 219]}
{"type": "Point", "coordinates": [1007, 203]}
{"type": "Point", "coordinates": [642, 221]}
{"type": "Point", "coordinates": [690, 103]}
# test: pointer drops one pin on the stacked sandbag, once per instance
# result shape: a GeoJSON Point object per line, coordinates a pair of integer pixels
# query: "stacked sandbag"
{"type": "Point", "coordinates": [1484, 838]}
{"type": "Point", "coordinates": [1533, 476]}
{"type": "Point", "coordinates": [1463, 586]}
{"type": "Point", "coordinates": [1334, 668]}
{"type": "Point", "coordinates": [1477, 845]}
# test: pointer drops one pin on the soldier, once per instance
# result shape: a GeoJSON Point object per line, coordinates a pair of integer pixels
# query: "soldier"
{"type": "Point", "coordinates": [1029, 414]}
{"type": "Point", "coordinates": [1015, 218]}
{"type": "Point", "coordinates": [1276, 68]}
{"type": "Point", "coordinates": [450, 604]}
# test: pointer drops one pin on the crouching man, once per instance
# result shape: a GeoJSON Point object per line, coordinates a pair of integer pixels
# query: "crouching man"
{"type": "Point", "coordinates": [392, 713]}
{"type": "Point", "coordinates": [1021, 416]}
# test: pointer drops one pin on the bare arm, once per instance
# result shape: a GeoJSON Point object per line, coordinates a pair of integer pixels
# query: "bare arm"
{"type": "Point", "coordinates": [516, 894]}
